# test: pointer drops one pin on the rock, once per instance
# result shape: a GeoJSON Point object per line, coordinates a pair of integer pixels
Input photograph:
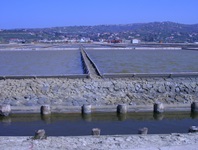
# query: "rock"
{"type": "Point", "coordinates": [14, 103]}
{"type": "Point", "coordinates": [27, 97]}
{"type": "Point", "coordinates": [161, 89]}
{"type": "Point", "coordinates": [55, 102]}
{"type": "Point", "coordinates": [193, 129]}
{"type": "Point", "coordinates": [7, 101]}
{"type": "Point", "coordinates": [5, 110]}
{"type": "Point", "coordinates": [32, 103]}
{"type": "Point", "coordinates": [178, 98]}
{"type": "Point", "coordinates": [147, 86]}
{"type": "Point", "coordinates": [137, 87]}
{"type": "Point", "coordinates": [55, 89]}
{"type": "Point", "coordinates": [193, 85]}
{"type": "Point", "coordinates": [42, 100]}
{"type": "Point", "coordinates": [143, 131]}
{"type": "Point", "coordinates": [75, 103]}
{"type": "Point", "coordinates": [177, 89]}
{"type": "Point", "coordinates": [40, 135]}
{"type": "Point", "coordinates": [68, 103]}
{"type": "Point", "coordinates": [45, 88]}
{"type": "Point", "coordinates": [96, 131]}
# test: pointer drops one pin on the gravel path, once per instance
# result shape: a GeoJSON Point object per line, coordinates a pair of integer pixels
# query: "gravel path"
{"type": "Point", "coordinates": [129, 142]}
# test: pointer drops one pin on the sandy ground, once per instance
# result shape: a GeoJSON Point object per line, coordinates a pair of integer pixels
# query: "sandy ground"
{"type": "Point", "coordinates": [125, 142]}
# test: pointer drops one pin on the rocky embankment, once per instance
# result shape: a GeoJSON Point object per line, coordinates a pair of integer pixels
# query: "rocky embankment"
{"type": "Point", "coordinates": [98, 91]}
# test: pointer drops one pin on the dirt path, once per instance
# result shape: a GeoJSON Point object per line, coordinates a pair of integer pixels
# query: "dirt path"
{"type": "Point", "coordinates": [129, 142]}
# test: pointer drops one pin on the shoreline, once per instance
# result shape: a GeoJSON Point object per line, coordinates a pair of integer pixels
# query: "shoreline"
{"type": "Point", "coordinates": [100, 109]}
{"type": "Point", "coordinates": [173, 141]}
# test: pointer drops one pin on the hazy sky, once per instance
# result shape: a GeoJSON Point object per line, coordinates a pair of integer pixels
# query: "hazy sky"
{"type": "Point", "coordinates": [50, 13]}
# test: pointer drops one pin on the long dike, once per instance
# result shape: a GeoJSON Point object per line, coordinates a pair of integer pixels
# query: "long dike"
{"type": "Point", "coordinates": [98, 91]}
{"type": "Point", "coordinates": [27, 95]}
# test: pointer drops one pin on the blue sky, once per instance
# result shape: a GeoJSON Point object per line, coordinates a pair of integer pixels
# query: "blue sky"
{"type": "Point", "coordinates": [51, 13]}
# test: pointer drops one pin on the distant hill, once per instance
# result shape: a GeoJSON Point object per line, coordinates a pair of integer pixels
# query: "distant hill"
{"type": "Point", "coordinates": [148, 32]}
{"type": "Point", "coordinates": [153, 26]}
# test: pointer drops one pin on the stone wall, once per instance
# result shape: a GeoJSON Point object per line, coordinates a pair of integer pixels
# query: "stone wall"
{"type": "Point", "coordinates": [76, 92]}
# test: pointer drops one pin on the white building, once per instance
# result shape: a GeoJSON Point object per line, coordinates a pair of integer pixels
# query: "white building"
{"type": "Point", "coordinates": [135, 41]}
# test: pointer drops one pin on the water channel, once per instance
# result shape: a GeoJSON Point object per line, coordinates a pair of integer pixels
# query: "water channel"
{"type": "Point", "coordinates": [109, 123]}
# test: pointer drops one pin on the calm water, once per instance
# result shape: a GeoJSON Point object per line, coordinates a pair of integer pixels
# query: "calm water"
{"type": "Point", "coordinates": [40, 63]}
{"type": "Point", "coordinates": [145, 61]}
{"type": "Point", "coordinates": [109, 123]}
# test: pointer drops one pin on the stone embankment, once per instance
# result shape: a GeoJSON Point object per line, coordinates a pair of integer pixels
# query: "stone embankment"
{"type": "Point", "coordinates": [98, 91]}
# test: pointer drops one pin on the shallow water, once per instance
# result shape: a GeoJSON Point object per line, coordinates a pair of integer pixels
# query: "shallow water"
{"type": "Point", "coordinates": [109, 123]}
{"type": "Point", "coordinates": [145, 61]}
{"type": "Point", "coordinates": [40, 63]}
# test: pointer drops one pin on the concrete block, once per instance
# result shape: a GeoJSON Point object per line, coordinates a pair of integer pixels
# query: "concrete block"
{"type": "Point", "coordinates": [86, 109]}
{"type": "Point", "coordinates": [45, 110]}
{"type": "Point", "coordinates": [122, 108]}
{"type": "Point", "coordinates": [143, 131]}
{"type": "Point", "coordinates": [158, 107]}
{"type": "Point", "coordinates": [5, 110]}
{"type": "Point", "coordinates": [194, 107]}
{"type": "Point", "coordinates": [96, 131]}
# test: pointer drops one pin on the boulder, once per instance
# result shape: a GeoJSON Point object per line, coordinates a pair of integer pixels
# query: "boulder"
{"type": "Point", "coordinates": [40, 135]}
{"type": "Point", "coordinates": [5, 110]}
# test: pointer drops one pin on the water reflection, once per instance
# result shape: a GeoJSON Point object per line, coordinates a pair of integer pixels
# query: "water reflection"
{"type": "Point", "coordinates": [158, 116]}
{"type": "Point", "coordinates": [46, 118]}
{"type": "Point", "coordinates": [109, 123]}
{"type": "Point", "coordinates": [87, 117]}
{"type": "Point", "coordinates": [121, 117]}
{"type": "Point", "coordinates": [194, 115]}
{"type": "Point", "coordinates": [96, 117]}
{"type": "Point", "coordinates": [6, 120]}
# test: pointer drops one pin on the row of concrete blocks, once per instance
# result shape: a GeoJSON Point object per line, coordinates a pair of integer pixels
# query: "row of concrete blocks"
{"type": "Point", "coordinates": [40, 134]}
{"type": "Point", "coordinates": [122, 108]}
{"type": "Point", "coordinates": [96, 131]}
{"type": "Point", "coordinates": [87, 109]}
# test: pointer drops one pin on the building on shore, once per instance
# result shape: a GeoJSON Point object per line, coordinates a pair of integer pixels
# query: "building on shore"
{"type": "Point", "coordinates": [135, 41]}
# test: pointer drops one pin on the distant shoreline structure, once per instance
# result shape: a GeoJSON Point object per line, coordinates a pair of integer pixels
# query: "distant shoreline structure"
{"type": "Point", "coordinates": [153, 32]}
